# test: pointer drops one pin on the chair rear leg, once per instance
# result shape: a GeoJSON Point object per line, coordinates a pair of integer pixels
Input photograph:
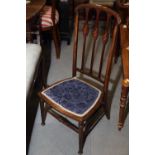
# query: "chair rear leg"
{"type": "Point", "coordinates": [56, 41]}
{"type": "Point", "coordinates": [58, 35]}
{"type": "Point", "coordinates": [108, 115]}
{"type": "Point", "coordinates": [107, 111]}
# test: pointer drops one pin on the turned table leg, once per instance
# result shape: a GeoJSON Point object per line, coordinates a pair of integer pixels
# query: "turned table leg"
{"type": "Point", "coordinates": [123, 101]}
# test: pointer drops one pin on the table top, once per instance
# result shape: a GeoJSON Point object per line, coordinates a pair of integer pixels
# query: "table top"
{"type": "Point", "coordinates": [108, 3]}
{"type": "Point", "coordinates": [124, 33]}
{"type": "Point", "coordinates": [33, 8]}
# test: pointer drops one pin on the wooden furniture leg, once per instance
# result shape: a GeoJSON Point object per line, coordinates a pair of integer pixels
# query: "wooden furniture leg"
{"type": "Point", "coordinates": [81, 137]}
{"type": "Point", "coordinates": [123, 101]}
{"type": "Point", "coordinates": [42, 112]}
{"type": "Point", "coordinates": [56, 41]}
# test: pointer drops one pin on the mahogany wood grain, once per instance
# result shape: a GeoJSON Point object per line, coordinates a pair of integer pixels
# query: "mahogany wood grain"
{"type": "Point", "coordinates": [104, 39]}
{"type": "Point", "coordinates": [33, 8]}
{"type": "Point", "coordinates": [125, 62]}
{"type": "Point", "coordinates": [124, 33]}
{"type": "Point", "coordinates": [85, 33]}
{"type": "Point", "coordinates": [122, 8]}
{"type": "Point", "coordinates": [32, 12]}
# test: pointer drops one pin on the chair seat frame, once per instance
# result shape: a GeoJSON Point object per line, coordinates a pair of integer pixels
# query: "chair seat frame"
{"type": "Point", "coordinates": [85, 123]}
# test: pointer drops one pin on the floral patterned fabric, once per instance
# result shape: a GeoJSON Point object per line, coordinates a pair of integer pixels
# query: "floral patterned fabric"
{"type": "Point", "coordinates": [74, 95]}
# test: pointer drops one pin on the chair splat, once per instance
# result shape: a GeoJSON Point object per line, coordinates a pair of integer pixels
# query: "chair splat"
{"type": "Point", "coordinates": [104, 41]}
{"type": "Point", "coordinates": [85, 34]}
{"type": "Point", "coordinates": [95, 36]}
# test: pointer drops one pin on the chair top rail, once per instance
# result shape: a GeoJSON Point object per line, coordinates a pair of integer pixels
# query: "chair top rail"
{"type": "Point", "coordinates": [100, 8]}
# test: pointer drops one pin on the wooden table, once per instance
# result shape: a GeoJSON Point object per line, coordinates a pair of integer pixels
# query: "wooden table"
{"type": "Point", "coordinates": [124, 34]}
{"type": "Point", "coordinates": [108, 3]}
{"type": "Point", "coordinates": [33, 8]}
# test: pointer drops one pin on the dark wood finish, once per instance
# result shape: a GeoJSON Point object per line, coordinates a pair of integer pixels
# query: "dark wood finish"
{"type": "Point", "coordinates": [33, 8]}
{"type": "Point", "coordinates": [109, 4]}
{"type": "Point", "coordinates": [121, 7]}
{"type": "Point", "coordinates": [78, 2]}
{"type": "Point", "coordinates": [42, 112]}
{"type": "Point", "coordinates": [32, 12]}
{"type": "Point", "coordinates": [66, 22]}
{"type": "Point", "coordinates": [88, 121]}
{"type": "Point", "coordinates": [85, 33]}
{"type": "Point", "coordinates": [81, 137]}
{"type": "Point", "coordinates": [124, 32]}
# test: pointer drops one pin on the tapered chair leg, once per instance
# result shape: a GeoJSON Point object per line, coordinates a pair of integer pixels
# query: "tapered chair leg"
{"type": "Point", "coordinates": [58, 35]}
{"type": "Point", "coordinates": [107, 110]}
{"type": "Point", "coordinates": [56, 41]}
{"type": "Point", "coordinates": [44, 108]}
{"type": "Point", "coordinates": [81, 137]}
{"type": "Point", "coordinates": [108, 115]}
{"type": "Point", "coordinates": [42, 112]}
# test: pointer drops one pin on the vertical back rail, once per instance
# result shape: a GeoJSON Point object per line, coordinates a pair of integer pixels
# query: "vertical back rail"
{"type": "Point", "coordinates": [76, 27]}
{"type": "Point", "coordinates": [104, 41]}
{"type": "Point", "coordinates": [95, 35]}
{"type": "Point", "coordinates": [85, 33]}
{"type": "Point", "coordinates": [53, 11]}
{"type": "Point", "coordinates": [110, 59]}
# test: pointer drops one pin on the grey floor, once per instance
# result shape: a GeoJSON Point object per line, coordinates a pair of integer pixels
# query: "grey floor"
{"type": "Point", "coordinates": [56, 139]}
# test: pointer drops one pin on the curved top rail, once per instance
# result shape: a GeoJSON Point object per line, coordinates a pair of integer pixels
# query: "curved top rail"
{"type": "Point", "coordinates": [100, 8]}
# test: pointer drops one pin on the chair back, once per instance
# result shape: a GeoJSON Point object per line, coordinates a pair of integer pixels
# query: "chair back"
{"type": "Point", "coordinates": [99, 21]}
{"type": "Point", "coordinates": [54, 4]}
{"type": "Point", "coordinates": [53, 12]}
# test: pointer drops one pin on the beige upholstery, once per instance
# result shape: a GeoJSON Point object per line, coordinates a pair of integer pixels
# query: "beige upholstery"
{"type": "Point", "coordinates": [103, 2]}
{"type": "Point", "coordinates": [33, 53]}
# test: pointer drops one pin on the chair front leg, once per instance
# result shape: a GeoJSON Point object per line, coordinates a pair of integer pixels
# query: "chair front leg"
{"type": "Point", "coordinates": [42, 112]}
{"type": "Point", "coordinates": [81, 137]}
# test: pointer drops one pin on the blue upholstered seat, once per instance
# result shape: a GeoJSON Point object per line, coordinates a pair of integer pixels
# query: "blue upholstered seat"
{"type": "Point", "coordinates": [73, 95]}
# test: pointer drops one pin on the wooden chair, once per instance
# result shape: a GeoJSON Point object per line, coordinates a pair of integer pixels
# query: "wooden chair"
{"type": "Point", "coordinates": [83, 97]}
{"type": "Point", "coordinates": [49, 17]}
{"type": "Point", "coordinates": [122, 7]}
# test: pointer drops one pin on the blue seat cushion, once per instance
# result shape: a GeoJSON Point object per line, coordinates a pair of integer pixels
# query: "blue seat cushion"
{"type": "Point", "coordinates": [74, 95]}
